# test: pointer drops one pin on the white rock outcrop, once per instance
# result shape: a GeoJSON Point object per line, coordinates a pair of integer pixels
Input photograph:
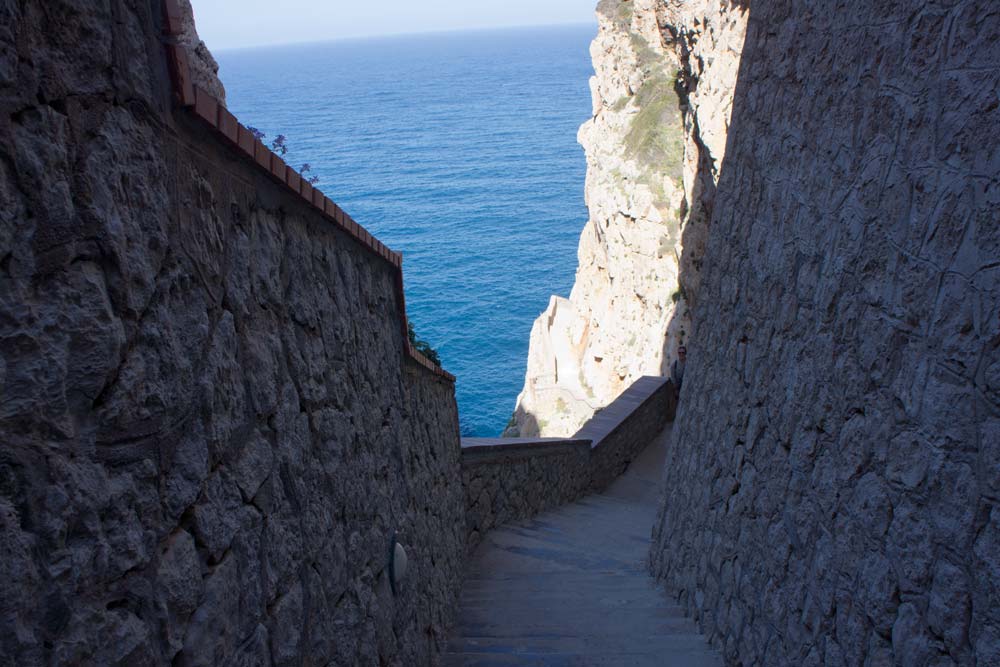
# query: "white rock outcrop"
{"type": "Point", "coordinates": [204, 66]}
{"type": "Point", "coordinates": [653, 146]}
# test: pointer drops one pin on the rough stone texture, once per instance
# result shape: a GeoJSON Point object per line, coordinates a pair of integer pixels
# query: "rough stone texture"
{"type": "Point", "coordinates": [706, 38]}
{"type": "Point", "coordinates": [569, 588]}
{"type": "Point", "coordinates": [624, 428]}
{"type": "Point", "coordinates": [833, 495]}
{"type": "Point", "coordinates": [209, 429]}
{"type": "Point", "coordinates": [204, 67]}
{"type": "Point", "coordinates": [508, 479]}
{"type": "Point", "coordinates": [512, 479]}
{"type": "Point", "coordinates": [619, 322]}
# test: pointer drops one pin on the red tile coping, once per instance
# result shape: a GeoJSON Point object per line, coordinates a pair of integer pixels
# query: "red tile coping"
{"type": "Point", "coordinates": [330, 209]}
{"type": "Point", "coordinates": [292, 179]}
{"type": "Point", "coordinates": [180, 74]}
{"type": "Point", "coordinates": [261, 154]}
{"type": "Point", "coordinates": [246, 140]}
{"type": "Point", "coordinates": [172, 18]}
{"type": "Point", "coordinates": [229, 125]}
{"type": "Point", "coordinates": [428, 364]}
{"type": "Point", "coordinates": [278, 167]}
{"type": "Point", "coordinates": [206, 107]}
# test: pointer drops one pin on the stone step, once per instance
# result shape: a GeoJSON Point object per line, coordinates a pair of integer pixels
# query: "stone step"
{"type": "Point", "coordinates": [510, 587]}
{"type": "Point", "coordinates": [577, 660]}
{"type": "Point", "coordinates": [571, 587]}
{"type": "Point", "coordinates": [687, 650]}
{"type": "Point", "coordinates": [545, 623]}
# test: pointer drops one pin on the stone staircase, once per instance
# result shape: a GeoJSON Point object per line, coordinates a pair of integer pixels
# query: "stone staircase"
{"type": "Point", "coordinates": [570, 587]}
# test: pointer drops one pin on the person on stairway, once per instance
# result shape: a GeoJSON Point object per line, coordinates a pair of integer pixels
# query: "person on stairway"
{"type": "Point", "coordinates": [677, 369]}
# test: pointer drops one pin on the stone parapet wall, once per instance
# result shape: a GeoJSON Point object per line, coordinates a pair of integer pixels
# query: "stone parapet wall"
{"type": "Point", "coordinates": [624, 428]}
{"type": "Point", "coordinates": [212, 426]}
{"type": "Point", "coordinates": [505, 479]}
{"type": "Point", "coordinates": [203, 97]}
{"type": "Point", "coordinates": [508, 479]}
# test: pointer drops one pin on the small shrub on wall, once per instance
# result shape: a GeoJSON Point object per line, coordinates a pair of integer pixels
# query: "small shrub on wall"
{"type": "Point", "coordinates": [422, 346]}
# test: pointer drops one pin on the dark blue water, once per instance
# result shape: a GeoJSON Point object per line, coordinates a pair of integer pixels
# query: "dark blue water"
{"type": "Point", "coordinates": [459, 150]}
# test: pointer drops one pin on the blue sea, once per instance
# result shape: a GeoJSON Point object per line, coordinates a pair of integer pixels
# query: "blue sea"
{"type": "Point", "coordinates": [458, 149]}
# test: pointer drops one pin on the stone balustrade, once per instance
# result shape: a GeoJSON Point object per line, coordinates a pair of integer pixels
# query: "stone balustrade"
{"type": "Point", "coordinates": [505, 479]}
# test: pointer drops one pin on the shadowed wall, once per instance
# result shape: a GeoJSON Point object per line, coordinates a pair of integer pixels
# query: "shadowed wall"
{"type": "Point", "coordinates": [832, 494]}
{"type": "Point", "coordinates": [210, 431]}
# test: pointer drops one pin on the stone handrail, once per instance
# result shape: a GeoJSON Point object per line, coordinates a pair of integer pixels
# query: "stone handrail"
{"type": "Point", "coordinates": [207, 107]}
{"type": "Point", "coordinates": [624, 428]}
{"type": "Point", "coordinates": [505, 479]}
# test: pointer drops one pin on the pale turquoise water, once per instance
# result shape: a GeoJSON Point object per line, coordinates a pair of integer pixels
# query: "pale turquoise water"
{"type": "Point", "coordinates": [459, 150]}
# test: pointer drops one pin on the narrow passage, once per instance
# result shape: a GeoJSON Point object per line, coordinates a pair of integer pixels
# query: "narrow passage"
{"type": "Point", "coordinates": [570, 587]}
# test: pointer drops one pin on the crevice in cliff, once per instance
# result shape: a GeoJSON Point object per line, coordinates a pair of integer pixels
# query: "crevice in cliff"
{"type": "Point", "coordinates": [610, 330]}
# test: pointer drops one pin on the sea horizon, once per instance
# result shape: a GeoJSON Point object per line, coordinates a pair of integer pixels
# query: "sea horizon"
{"type": "Point", "coordinates": [394, 35]}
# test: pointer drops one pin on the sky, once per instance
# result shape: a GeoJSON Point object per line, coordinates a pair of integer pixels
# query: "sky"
{"type": "Point", "coordinates": [229, 24]}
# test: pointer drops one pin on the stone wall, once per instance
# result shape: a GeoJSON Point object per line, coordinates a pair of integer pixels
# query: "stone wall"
{"type": "Point", "coordinates": [622, 430]}
{"type": "Point", "coordinates": [833, 492]}
{"type": "Point", "coordinates": [210, 427]}
{"type": "Point", "coordinates": [515, 478]}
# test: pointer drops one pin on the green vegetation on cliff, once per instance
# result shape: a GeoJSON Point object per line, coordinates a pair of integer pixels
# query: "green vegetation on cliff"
{"type": "Point", "coordinates": [656, 136]}
{"type": "Point", "coordinates": [618, 11]}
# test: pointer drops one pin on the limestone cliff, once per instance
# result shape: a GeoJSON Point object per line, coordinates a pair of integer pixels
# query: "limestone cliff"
{"type": "Point", "coordinates": [706, 36]}
{"type": "Point", "coordinates": [662, 91]}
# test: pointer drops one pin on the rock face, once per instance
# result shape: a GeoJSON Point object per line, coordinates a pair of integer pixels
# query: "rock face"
{"type": "Point", "coordinates": [706, 37]}
{"type": "Point", "coordinates": [653, 149]}
{"type": "Point", "coordinates": [209, 431]}
{"type": "Point", "coordinates": [833, 493]}
{"type": "Point", "coordinates": [204, 68]}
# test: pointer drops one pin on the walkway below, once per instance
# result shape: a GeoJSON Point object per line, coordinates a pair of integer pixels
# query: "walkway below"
{"type": "Point", "coordinates": [570, 587]}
